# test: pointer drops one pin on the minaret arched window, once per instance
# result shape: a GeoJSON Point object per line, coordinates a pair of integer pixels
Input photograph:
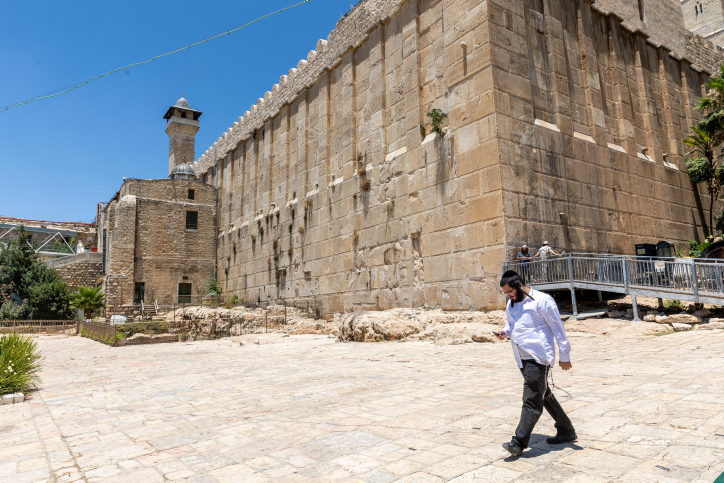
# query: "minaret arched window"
{"type": "Point", "coordinates": [641, 10]}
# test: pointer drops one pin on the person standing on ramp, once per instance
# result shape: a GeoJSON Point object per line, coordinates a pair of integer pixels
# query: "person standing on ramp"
{"type": "Point", "coordinates": [533, 321]}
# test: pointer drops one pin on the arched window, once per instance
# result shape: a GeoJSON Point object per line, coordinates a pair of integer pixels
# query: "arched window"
{"type": "Point", "coordinates": [641, 10]}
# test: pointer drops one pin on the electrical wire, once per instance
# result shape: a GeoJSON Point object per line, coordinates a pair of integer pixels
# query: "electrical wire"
{"type": "Point", "coordinates": [65, 90]}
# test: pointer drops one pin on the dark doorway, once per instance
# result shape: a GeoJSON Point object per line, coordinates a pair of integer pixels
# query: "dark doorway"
{"type": "Point", "coordinates": [139, 292]}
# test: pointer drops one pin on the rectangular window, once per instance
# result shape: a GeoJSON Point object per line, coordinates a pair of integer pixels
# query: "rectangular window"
{"type": "Point", "coordinates": [192, 194]}
{"type": "Point", "coordinates": [184, 293]}
{"type": "Point", "coordinates": [139, 292]}
{"type": "Point", "coordinates": [192, 220]}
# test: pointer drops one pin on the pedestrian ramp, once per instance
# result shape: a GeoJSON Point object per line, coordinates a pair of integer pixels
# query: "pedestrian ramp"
{"type": "Point", "coordinates": [688, 279]}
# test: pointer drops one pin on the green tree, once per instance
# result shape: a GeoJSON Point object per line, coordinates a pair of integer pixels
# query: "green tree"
{"type": "Point", "coordinates": [16, 260]}
{"type": "Point", "coordinates": [42, 290]}
{"type": "Point", "coordinates": [88, 299]}
{"type": "Point", "coordinates": [707, 137]}
{"type": "Point", "coordinates": [50, 301]}
{"type": "Point", "coordinates": [705, 168]}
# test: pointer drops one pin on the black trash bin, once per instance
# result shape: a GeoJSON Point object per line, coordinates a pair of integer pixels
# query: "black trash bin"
{"type": "Point", "coordinates": [645, 250]}
{"type": "Point", "coordinates": [665, 249]}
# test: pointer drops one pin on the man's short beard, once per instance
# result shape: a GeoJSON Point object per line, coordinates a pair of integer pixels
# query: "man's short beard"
{"type": "Point", "coordinates": [519, 296]}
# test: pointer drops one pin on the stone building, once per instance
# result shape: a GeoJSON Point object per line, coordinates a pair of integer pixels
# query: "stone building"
{"type": "Point", "coordinates": [705, 18]}
{"type": "Point", "coordinates": [157, 235]}
{"type": "Point", "coordinates": [564, 122]}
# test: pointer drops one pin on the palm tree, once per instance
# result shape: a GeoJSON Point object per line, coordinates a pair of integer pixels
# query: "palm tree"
{"type": "Point", "coordinates": [704, 167]}
{"type": "Point", "coordinates": [88, 299]}
{"type": "Point", "coordinates": [714, 101]}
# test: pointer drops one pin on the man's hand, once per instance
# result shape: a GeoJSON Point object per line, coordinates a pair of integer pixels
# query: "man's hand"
{"type": "Point", "coordinates": [565, 365]}
{"type": "Point", "coordinates": [500, 335]}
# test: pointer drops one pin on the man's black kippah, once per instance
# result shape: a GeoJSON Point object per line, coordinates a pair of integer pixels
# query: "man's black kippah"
{"type": "Point", "coordinates": [510, 273]}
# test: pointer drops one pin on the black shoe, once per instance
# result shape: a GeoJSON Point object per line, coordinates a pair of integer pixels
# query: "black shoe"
{"type": "Point", "coordinates": [513, 448]}
{"type": "Point", "coordinates": [562, 438]}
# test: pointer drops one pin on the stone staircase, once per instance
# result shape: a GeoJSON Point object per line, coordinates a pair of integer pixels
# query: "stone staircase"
{"type": "Point", "coordinates": [148, 311]}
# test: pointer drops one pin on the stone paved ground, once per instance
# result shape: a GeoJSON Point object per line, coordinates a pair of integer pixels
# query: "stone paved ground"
{"type": "Point", "coordinates": [309, 409]}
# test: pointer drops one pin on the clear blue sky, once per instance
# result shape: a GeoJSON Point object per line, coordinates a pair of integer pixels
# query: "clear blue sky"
{"type": "Point", "coordinates": [60, 157]}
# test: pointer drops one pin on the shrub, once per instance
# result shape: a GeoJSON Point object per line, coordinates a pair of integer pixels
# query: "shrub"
{"type": "Point", "coordinates": [88, 299]}
{"type": "Point", "coordinates": [213, 287]}
{"type": "Point", "coordinates": [146, 327]}
{"type": "Point", "coordinates": [696, 248]}
{"type": "Point", "coordinates": [51, 301]}
{"type": "Point", "coordinates": [436, 119]}
{"type": "Point", "coordinates": [301, 230]}
{"type": "Point", "coordinates": [19, 364]}
{"type": "Point", "coordinates": [9, 310]}
{"type": "Point", "coordinates": [83, 333]}
{"type": "Point", "coordinates": [365, 185]}
{"type": "Point", "coordinates": [673, 304]}
{"type": "Point", "coordinates": [112, 341]}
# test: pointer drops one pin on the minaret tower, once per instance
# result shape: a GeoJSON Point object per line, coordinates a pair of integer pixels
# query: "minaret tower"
{"type": "Point", "coordinates": [182, 124]}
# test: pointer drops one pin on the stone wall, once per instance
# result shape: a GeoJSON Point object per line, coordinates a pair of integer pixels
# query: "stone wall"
{"type": "Point", "coordinates": [705, 18]}
{"type": "Point", "coordinates": [332, 187]}
{"type": "Point", "coordinates": [82, 274]}
{"type": "Point", "coordinates": [705, 55]}
{"type": "Point", "coordinates": [662, 22]}
{"type": "Point", "coordinates": [590, 119]}
{"type": "Point", "coordinates": [148, 240]}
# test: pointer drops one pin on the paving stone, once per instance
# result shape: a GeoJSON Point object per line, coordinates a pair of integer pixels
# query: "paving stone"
{"type": "Point", "coordinates": [315, 410]}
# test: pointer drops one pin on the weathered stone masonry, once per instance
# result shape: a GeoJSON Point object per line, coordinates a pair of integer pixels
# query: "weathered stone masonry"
{"type": "Point", "coordinates": [563, 124]}
{"type": "Point", "coordinates": [148, 241]}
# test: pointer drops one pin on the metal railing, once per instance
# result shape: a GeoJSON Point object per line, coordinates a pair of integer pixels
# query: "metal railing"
{"type": "Point", "coordinates": [36, 326]}
{"type": "Point", "coordinates": [689, 279]}
{"type": "Point", "coordinates": [87, 256]}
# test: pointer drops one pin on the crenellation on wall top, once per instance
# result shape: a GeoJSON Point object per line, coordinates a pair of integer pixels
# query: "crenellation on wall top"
{"type": "Point", "coordinates": [350, 31]}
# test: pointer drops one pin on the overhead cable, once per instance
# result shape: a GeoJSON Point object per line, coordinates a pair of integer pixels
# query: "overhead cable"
{"type": "Point", "coordinates": [66, 90]}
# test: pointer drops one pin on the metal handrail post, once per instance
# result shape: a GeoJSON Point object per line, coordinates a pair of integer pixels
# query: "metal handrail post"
{"type": "Point", "coordinates": [694, 281]}
{"type": "Point", "coordinates": [573, 291]}
{"type": "Point", "coordinates": [635, 307]}
{"type": "Point", "coordinates": [625, 275]}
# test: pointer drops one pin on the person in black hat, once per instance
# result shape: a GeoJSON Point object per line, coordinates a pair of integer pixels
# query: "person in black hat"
{"type": "Point", "coordinates": [533, 322]}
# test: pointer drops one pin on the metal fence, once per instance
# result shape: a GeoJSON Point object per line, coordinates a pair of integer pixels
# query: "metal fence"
{"type": "Point", "coordinates": [36, 326]}
{"type": "Point", "coordinates": [689, 279]}
{"type": "Point", "coordinates": [183, 329]}
{"type": "Point", "coordinates": [312, 308]}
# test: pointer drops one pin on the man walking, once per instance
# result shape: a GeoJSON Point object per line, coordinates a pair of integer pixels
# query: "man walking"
{"type": "Point", "coordinates": [543, 253]}
{"type": "Point", "coordinates": [532, 323]}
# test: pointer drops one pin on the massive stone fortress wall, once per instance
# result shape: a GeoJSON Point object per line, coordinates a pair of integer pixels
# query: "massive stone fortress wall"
{"type": "Point", "coordinates": [563, 124]}
{"type": "Point", "coordinates": [604, 167]}
{"type": "Point", "coordinates": [148, 240]}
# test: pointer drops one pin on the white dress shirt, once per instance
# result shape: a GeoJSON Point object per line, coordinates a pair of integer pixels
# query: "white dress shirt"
{"type": "Point", "coordinates": [533, 324]}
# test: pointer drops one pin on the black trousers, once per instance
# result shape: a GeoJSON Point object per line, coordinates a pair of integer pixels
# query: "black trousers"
{"type": "Point", "coordinates": [536, 396]}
